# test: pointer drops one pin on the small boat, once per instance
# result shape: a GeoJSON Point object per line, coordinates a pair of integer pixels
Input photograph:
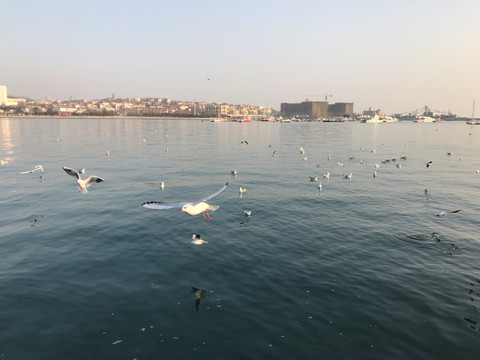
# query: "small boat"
{"type": "Point", "coordinates": [424, 119]}
{"type": "Point", "coordinates": [473, 121]}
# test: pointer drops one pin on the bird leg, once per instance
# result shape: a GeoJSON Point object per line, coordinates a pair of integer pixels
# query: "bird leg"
{"type": "Point", "coordinates": [209, 218]}
{"type": "Point", "coordinates": [203, 213]}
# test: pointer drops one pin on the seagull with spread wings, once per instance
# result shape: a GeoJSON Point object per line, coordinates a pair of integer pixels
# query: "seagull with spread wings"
{"type": "Point", "coordinates": [82, 184]}
{"type": "Point", "coordinates": [191, 208]}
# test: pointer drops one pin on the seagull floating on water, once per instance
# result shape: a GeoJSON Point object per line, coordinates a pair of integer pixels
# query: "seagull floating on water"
{"type": "Point", "coordinates": [247, 213]}
{"type": "Point", "coordinates": [348, 176]}
{"type": "Point", "coordinates": [162, 185]}
{"type": "Point", "coordinates": [234, 172]}
{"type": "Point", "coordinates": [442, 213]}
{"type": "Point", "coordinates": [191, 208]}
{"type": "Point", "coordinates": [242, 190]}
{"type": "Point", "coordinates": [313, 178]}
{"type": "Point", "coordinates": [326, 176]}
{"type": "Point", "coordinates": [37, 167]}
{"type": "Point", "coordinates": [82, 184]}
{"type": "Point", "coordinates": [197, 240]}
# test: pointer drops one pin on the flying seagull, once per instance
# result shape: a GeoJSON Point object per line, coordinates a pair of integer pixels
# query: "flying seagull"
{"type": "Point", "coordinates": [82, 184]}
{"type": "Point", "coordinates": [37, 167]}
{"type": "Point", "coordinates": [191, 208]}
{"type": "Point", "coordinates": [429, 163]}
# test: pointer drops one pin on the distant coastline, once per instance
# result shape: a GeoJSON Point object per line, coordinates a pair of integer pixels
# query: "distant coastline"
{"type": "Point", "coordinates": [104, 117]}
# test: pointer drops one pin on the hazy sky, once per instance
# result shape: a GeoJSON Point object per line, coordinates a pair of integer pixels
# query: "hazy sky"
{"type": "Point", "coordinates": [397, 55]}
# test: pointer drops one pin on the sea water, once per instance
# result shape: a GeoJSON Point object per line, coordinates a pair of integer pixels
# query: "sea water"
{"type": "Point", "coordinates": [361, 269]}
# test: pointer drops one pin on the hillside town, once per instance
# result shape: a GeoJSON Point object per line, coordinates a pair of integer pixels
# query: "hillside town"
{"type": "Point", "coordinates": [115, 106]}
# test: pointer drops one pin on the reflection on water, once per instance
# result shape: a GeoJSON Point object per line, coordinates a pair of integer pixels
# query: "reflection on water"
{"type": "Point", "coordinates": [198, 294]}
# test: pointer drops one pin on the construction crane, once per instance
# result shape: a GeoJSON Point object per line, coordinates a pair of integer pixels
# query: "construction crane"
{"type": "Point", "coordinates": [326, 96]}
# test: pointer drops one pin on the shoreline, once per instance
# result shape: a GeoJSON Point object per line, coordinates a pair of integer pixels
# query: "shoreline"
{"type": "Point", "coordinates": [105, 117]}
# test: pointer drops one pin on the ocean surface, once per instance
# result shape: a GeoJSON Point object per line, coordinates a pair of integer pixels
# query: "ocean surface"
{"type": "Point", "coordinates": [361, 269]}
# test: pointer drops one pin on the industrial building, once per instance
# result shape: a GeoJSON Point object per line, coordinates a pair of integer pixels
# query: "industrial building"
{"type": "Point", "coordinates": [317, 109]}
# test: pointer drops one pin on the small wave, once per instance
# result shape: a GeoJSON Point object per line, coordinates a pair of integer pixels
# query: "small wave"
{"type": "Point", "coordinates": [430, 240]}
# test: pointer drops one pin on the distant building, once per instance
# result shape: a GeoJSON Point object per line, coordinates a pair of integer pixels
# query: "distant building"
{"type": "Point", "coordinates": [317, 109]}
{"type": "Point", "coordinates": [3, 95]}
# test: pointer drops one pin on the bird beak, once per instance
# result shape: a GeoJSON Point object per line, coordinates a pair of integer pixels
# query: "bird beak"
{"type": "Point", "coordinates": [181, 210]}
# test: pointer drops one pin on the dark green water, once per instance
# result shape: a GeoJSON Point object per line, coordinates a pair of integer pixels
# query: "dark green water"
{"type": "Point", "coordinates": [363, 269]}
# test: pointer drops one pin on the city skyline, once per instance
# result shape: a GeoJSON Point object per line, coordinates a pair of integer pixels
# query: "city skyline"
{"type": "Point", "coordinates": [398, 56]}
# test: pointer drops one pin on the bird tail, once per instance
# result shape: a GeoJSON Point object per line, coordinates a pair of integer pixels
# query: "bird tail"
{"type": "Point", "coordinates": [213, 207]}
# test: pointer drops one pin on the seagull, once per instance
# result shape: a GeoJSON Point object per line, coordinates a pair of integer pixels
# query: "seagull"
{"type": "Point", "coordinates": [107, 153]}
{"type": "Point", "coordinates": [162, 185]}
{"type": "Point", "coordinates": [37, 167]}
{"type": "Point", "coordinates": [191, 208]}
{"type": "Point", "coordinates": [429, 163]}
{"type": "Point", "coordinates": [403, 157]}
{"type": "Point", "coordinates": [247, 213]}
{"type": "Point", "coordinates": [234, 172]}
{"type": "Point", "coordinates": [274, 153]}
{"type": "Point", "coordinates": [242, 190]}
{"type": "Point", "coordinates": [339, 164]}
{"type": "Point", "coordinates": [426, 191]}
{"type": "Point", "coordinates": [374, 174]}
{"type": "Point", "coordinates": [377, 166]}
{"type": "Point", "coordinates": [477, 171]}
{"type": "Point", "coordinates": [197, 240]}
{"type": "Point", "coordinates": [351, 157]}
{"type": "Point", "coordinates": [3, 162]}
{"type": "Point", "coordinates": [326, 176]}
{"type": "Point", "coordinates": [399, 166]}
{"type": "Point", "coordinates": [305, 158]}
{"type": "Point", "coordinates": [320, 186]}
{"type": "Point", "coordinates": [82, 184]}
{"type": "Point", "coordinates": [81, 171]}
{"type": "Point", "coordinates": [313, 178]}
{"type": "Point", "coordinates": [302, 151]}
{"type": "Point", "coordinates": [318, 165]}
{"type": "Point", "coordinates": [244, 142]}
{"type": "Point", "coordinates": [363, 162]}
{"type": "Point", "coordinates": [199, 294]}
{"type": "Point", "coordinates": [442, 213]}
{"type": "Point", "coordinates": [348, 176]}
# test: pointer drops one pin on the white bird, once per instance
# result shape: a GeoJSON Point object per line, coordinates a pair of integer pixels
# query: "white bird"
{"type": "Point", "coordinates": [162, 185]}
{"type": "Point", "coordinates": [3, 162]}
{"type": "Point", "coordinates": [377, 166]}
{"type": "Point", "coordinates": [363, 162]}
{"type": "Point", "coordinates": [313, 178]}
{"type": "Point", "coordinates": [305, 158]}
{"type": "Point", "coordinates": [197, 240]}
{"type": "Point", "coordinates": [399, 166]}
{"type": "Point", "coordinates": [37, 167]}
{"type": "Point", "coordinates": [477, 171]}
{"type": "Point", "coordinates": [242, 190]}
{"type": "Point", "coordinates": [82, 184]}
{"type": "Point", "coordinates": [348, 176]}
{"type": "Point", "coordinates": [320, 187]}
{"type": "Point", "coordinates": [81, 171]}
{"type": "Point", "coordinates": [326, 176]}
{"type": "Point", "coordinates": [107, 153]}
{"type": "Point", "coordinates": [302, 151]}
{"type": "Point", "coordinates": [191, 208]}
{"type": "Point", "coordinates": [374, 174]}
{"type": "Point", "coordinates": [339, 164]}
{"type": "Point", "coordinates": [442, 213]}
{"type": "Point", "coordinates": [234, 172]}
{"type": "Point", "coordinates": [247, 213]}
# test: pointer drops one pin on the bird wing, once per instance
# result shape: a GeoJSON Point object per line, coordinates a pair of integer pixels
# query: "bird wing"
{"type": "Point", "coordinates": [71, 172]}
{"type": "Point", "coordinates": [92, 179]}
{"type": "Point", "coordinates": [206, 198]}
{"type": "Point", "coordinates": [160, 205]}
